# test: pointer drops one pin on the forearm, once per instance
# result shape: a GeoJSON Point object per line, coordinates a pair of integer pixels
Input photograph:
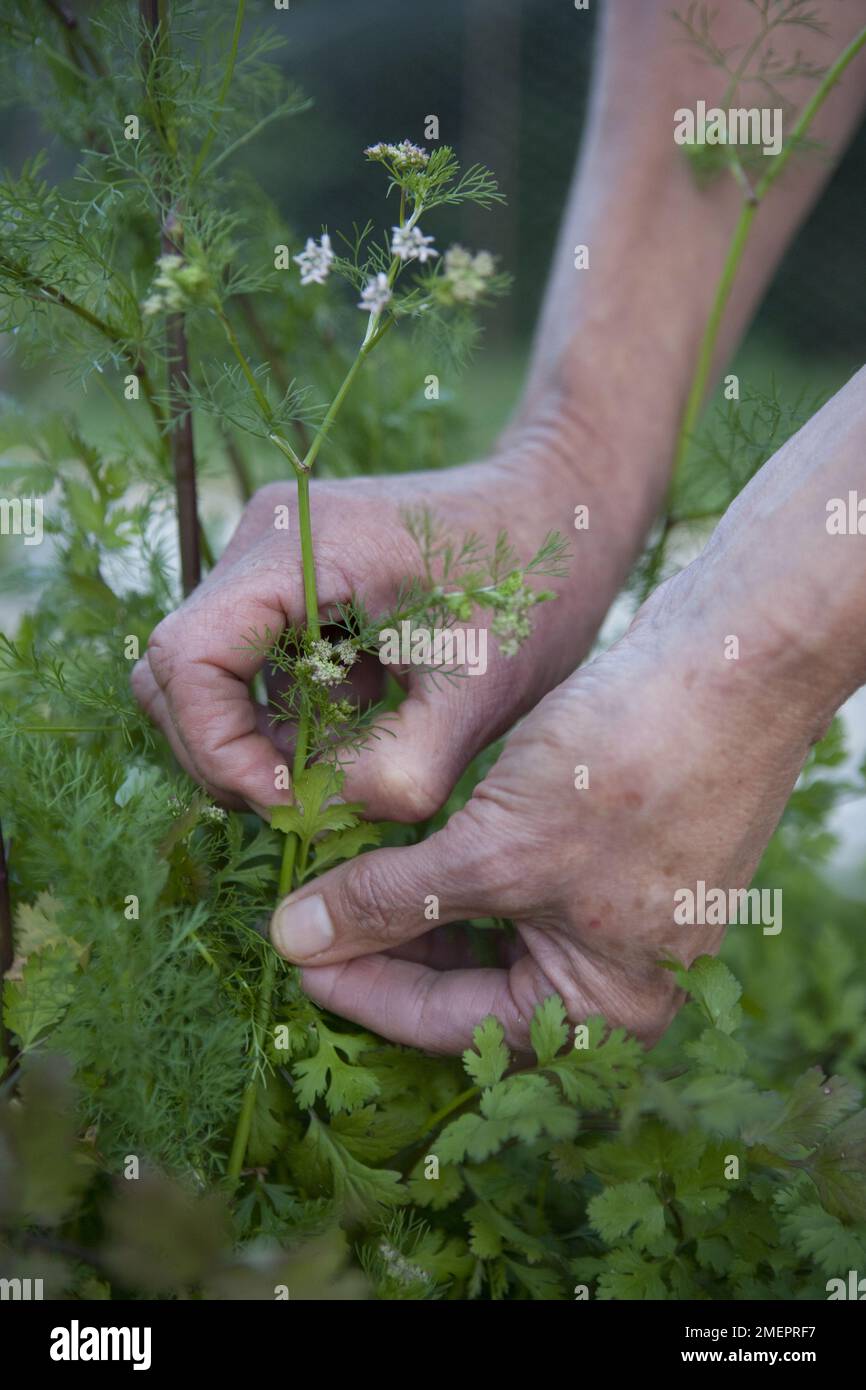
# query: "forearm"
{"type": "Point", "coordinates": [616, 345]}
{"type": "Point", "coordinates": [785, 575]}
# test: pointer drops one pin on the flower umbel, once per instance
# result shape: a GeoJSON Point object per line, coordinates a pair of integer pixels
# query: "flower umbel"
{"type": "Point", "coordinates": [403, 157]}
{"type": "Point", "coordinates": [179, 285]}
{"type": "Point", "coordinates": [410, 244]}
{"type": "Point", "coordinates": [327, 663]}
{"type": "Point", "coordinates": [375, 294]}
{"type": "Point", "coordinates": [466, 276]}
{"type": "Point", "coordinates": [315, 261]}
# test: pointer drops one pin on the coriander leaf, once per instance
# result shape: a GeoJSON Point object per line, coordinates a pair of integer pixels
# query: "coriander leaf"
{"type": "Point", "coordinates": [345, 844]}
{"type": "Point", "coordinates": [487, 1064]}
{"type": "Point", "coordinates": [713, 988]}
{"type": "Point", "coordinates": [360, 1191]}
{"type": "Point", "coordinates": [628, 1209]}
{"type": "Point", "coordinates": [549, 1029]}
{"type": "Point", "coordinates": [41, 997]}
{"type": "Point", "coordinates": [333, 1072]}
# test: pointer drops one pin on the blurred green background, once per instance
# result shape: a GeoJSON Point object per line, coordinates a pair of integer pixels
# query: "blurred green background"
{"type": "Point", "coordinates": [508, 80]}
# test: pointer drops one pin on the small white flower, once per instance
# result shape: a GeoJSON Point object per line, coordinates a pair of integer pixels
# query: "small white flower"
{"type": "Point", "coordinates": [152, 305]}
{"type": "Point", "coordinates": [404, 156]}
{"type": "Point", "coordinates": [315, 261]}
{"type": "Point", "coordinates": [375, 294]}
{"type": "Point", "coordinates": [465, 274]}
{"type": "Point", "coordinates": [410, 244]}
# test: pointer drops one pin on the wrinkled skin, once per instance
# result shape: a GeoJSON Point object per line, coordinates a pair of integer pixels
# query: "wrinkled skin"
{"type": "Point", "coordinates": [588, 876]}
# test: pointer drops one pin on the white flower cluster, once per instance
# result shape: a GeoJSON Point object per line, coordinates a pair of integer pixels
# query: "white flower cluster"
{"type": "Point", "coordinates": [466, 275]}
{"type": "Point", "coordinates": [410, 244]}
{"type": "Point", "coordinates": [315, 260]}
{"type": "Point", "coordinates": [400, 1268]}
{"type": "Point", "coordinates": [178, 284]}
{"type": "Point", "coordinates": [512, 602]}
{"type": "Point", "coordinates": [403, 157]}
{"type": "Point", "coordinates": [328, 663]}
{"type": "Point", "coordinates": [375, 294]}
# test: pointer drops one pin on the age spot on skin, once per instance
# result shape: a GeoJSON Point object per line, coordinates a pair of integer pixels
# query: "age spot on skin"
{"type": "Point", "coordinates": [595, 924]}
{"type": "Point", "coordinates": [632, 799]}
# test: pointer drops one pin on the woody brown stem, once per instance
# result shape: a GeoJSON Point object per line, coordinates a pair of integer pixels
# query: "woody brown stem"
{"type": "Point", "coordinates": [7, 950]}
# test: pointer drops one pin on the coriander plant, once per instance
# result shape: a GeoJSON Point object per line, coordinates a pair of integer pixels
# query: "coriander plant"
{"type": "Point", "coordinates": [178, 1119]}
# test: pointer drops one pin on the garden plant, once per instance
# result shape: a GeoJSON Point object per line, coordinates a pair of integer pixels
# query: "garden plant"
{"type": "Point", "coordinates": [177, 1118]}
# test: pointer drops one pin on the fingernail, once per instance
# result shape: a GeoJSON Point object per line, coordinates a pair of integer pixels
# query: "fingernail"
{"type": "Point", "coordinates": [302, 929]}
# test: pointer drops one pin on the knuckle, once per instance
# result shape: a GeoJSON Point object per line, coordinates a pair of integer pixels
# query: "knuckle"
{"type": "Point", "coordinates": [163, 646]}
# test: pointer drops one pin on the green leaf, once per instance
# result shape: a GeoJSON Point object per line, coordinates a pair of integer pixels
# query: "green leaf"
{"type": "Point", "coordinates": [85, 509]}
{"type": "Point", "coordinates": [487, 1064]}
{"type": "Point", "coordinates": [345, 844]}
{"type": "Point", "coordinates": [713, 988]}
{"type": "Point", "coordinates": [549, 1029]}
{"type": "Point", "coordinates": [838, 1169]}
{"type": "Point", "coordinates": [361, 1192]}
{"type": "Point", "coordinates": [630, 1209]}
{"type": "Point", "coordinates": [485, 1240]}
{"type": "Point", "coordinates": [436, 1193]}
{"type": "Point", "coordinates": [821, 1237]}
{"type": "Point", "coordinates": [288, 819]}
{"type": "Point", "coordinates": [522, 1107]}
{"type": "Point", "coordinates": [717, 1051]}
{"type": "Point", "coordinates": [591, 1076]}
{"type": "Point", "coordinates": [38, 1001]}
{"type": "Point", "coordinates": [816, 1103]}
{"type": "Point", "coordinates": [37, 925]}
{"type": "Point", "coordinates": [372, 1134]}
{"type": "Point", "coordinates": [628, 1275]}
{"type": "Point", "coordinates": [333, 1071]}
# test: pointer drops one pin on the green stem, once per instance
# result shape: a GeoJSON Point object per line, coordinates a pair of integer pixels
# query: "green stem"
{"type": "Point", "coordinates": [223, 92]}
{"type": "Point", "coordinates": [707, 348]}
{"type": "Point", "coordinates": [737, 245]}
{"type": "Point", "coordinates": [435, 1120]}
{"type": "Point", "coordinates": [336, 404]}
{"type": "Point", "coordinates": [308, 561]}
{"type": "Point", "coordinates": [248, 1104]}
{"type": "Point", "coordinates": [261, 398]}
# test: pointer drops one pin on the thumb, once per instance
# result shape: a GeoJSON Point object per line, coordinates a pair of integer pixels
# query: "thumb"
{"type": "Point", "coordinates": [380, 900]}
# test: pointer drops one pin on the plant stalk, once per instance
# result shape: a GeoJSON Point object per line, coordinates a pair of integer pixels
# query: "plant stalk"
{"type": "Point", "coordinates": [737, 246]}
{"type": "Point", "coordinates": [7, 949]}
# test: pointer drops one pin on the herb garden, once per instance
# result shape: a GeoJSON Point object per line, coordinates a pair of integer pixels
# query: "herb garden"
{"type": "Point", "coordinates": [177, 1118]}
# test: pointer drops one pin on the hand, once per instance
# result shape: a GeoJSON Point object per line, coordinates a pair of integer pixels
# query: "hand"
{"type": "Point", "coordinates": [194, 679]}
{"type": "Point", "coordinates": [690, 759]}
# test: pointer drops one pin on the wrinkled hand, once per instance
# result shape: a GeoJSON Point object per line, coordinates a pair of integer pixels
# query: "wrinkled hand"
{"type": "Point", "coordinates": [194, 679]}
{"type": "Point", "coordinates": [690, 763]}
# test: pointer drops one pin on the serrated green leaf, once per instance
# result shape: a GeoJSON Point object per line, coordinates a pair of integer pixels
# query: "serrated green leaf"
{"type": "Point", "coordinates": [523, 1107]}
{"type": "Point", "coordinates": [717, 1051]}
{"type": "Point", "coordinates": [815, 1104]}
{"type": "Point", "coordinates": [628, 1275]}
{"type": "Point", "coordinates": [335, 1073]}
{"type": "Point", "coordinates": [288, 819]}
{"type": "Point", "coordinates": [630, 1209]}
{"type": "Point", "coordinates": [713, 988]}
{"type": "Point", "coordinates": [345, 844]}
{"type": "Point", "coordinates": [360, 1192]}
{"type": "Point", "coordinates": [487, 1064]}
{"type": "Point", "coordinates": [818, 1235]}
{"type": "Point", "coordinates": [38, 1001]}
{"type": "Point", "coordinates": [548, 1029]}
{"type": "Point", "coordinates": [838, 1169]}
